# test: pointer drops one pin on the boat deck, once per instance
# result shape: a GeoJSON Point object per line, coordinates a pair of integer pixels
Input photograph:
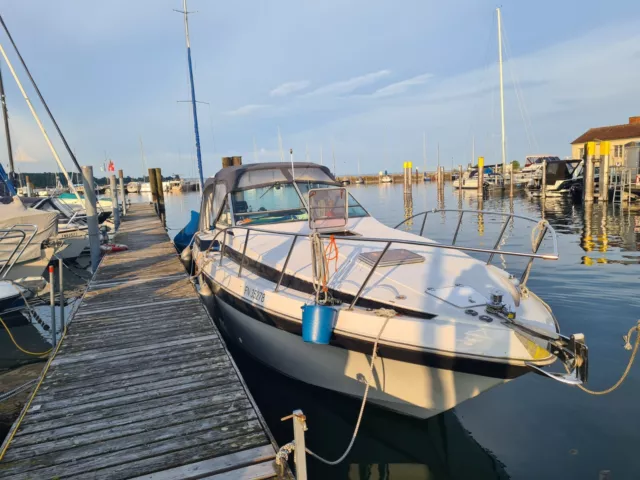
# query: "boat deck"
{"type": "Point", "coordinates": [142, 385]}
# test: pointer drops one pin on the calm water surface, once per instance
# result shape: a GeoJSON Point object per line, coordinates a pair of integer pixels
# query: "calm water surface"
{"type": "Point", "coordinates": [531, 428]}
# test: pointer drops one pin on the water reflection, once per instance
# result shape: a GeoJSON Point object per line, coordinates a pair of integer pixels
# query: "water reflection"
{"type": "Point", "coordinates": [389, 446]}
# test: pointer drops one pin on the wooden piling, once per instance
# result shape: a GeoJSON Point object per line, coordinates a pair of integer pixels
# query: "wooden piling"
{"type": "Point", "coordinates": [154, 187]}
{"type": "Point", "coordinates": [122, 191]}
{"type": "Point", "coordinates": [603, 195]}
{"type": "Point", "coordinates": [588, 172]}
{"type": "Point", "coordinates": [480, 177]}
{"type": "Point", "coordinates": [227, 162]}
{"type": "Point", "coordinates": [160, 193]}
{"type": "Point", "coordinates": [460, 178]}
{"type": "Point", "coordinates": [543, 181]}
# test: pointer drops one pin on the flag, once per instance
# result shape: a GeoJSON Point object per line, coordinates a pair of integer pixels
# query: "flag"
{"type": "Point", "coordinates": [111, 167]}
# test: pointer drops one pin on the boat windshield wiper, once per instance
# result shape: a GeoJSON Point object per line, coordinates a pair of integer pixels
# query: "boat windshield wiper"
{"type": "Point", "coordinates": [275, 185]}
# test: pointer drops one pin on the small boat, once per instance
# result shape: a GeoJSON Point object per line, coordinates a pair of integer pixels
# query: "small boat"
{"type": "Point", "coordinates": [133, 187]}
{"type": "Point", "coordinates": [145, 187]}
{"type": "Point", "coordinates": [386, 179]}
{"type": "Point", "coordinates": [560, 177]}
{"type": "Point", "coordinates": [359, 180]}
{"type": "Point", "coordinates": [176, 185]}
{"type": "Point", "coordinates": [345, 181]}
{"type": "Point", "coordinates": [470, 179]}
{"type": "Point", "coordinates": [448, 326]}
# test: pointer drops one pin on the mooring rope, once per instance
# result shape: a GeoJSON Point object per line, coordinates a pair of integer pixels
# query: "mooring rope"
{"type": "Point", "coordinates": [627, 346]}
{"type": "Point", "coordinates": [285, 450]}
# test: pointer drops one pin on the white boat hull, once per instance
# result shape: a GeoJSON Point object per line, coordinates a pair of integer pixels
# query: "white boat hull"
{"type": "Point", "coordinates": [411, 389]}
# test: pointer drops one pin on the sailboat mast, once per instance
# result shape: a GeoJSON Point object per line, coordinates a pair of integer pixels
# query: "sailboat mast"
{"type": "Point", "coordinates": [280, 145]}
{"type": "Point", "coordinates": [424, 151]}
{"type": "Point", "coordinates": [5, 115]}
{"type": "Point", "coordinates": [40, 126]}
{"type": "Point", "coordinates": [193, 95]}
{"type": "Point", "coordinates": [144, 164]}
{"type": "Point", "coordinates": [255, 150]}
{"type": "Point", "coordinates": [473, 149]}
{"type": "Point", "coordinates": [504, 148]}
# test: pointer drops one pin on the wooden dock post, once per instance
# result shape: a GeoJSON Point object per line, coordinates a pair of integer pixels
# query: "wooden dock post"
{"type": "Point", "coordinates": [153, 186]}
{"type": "Point", "coordinates": [588, 172]}
{"type": "Point", "coordinates": [52, 301]}
{"type": "Point", "coordinates": [603, 195]}
{"type": "Point", "coordinates": [92, 216]}
{"type": "Point", "coordinates": [460, 178]}
{"type": "Point", "coordinates": [299, 427]}
{"type": "Point", "coordinates": [114, 201]}
{"type": "Point", "coordinates": [160, 193]}
{"type": "Point", "coordinates": [28, 182]}
{"type": "Point", "coordinates": [511, 174]}
{"type": "Point", "coordinates": [122, 191]}
{"type": "Point", "coordinates": [480, 177]}
{"type": "Point", "coordinates": [543, 181]}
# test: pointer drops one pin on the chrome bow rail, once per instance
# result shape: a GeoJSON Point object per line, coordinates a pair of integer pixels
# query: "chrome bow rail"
{"type": "Point", "coordinates": [13, 242]}
{"type": "Point", "coordinates": [544, 228]}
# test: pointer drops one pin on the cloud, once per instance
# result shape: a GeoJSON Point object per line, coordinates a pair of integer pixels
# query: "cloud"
{"type": "Point", "coordinates": [288, 88]}
{"type": "Point", "coordinates": [247, 109]}
{"type": "Point", "coordinates": [347, 86]}
{"type": "Point", "coordinates": [403, 86]}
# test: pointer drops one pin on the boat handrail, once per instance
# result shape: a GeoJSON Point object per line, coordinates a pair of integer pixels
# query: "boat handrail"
{"type": "Point", "coordinates": [15, 232]}
{"type": "Point", "coordinates": [544, 227]}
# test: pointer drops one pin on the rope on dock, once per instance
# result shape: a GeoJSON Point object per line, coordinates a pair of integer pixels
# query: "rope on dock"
{"type": "Point", "coordinates": [25, 409]}
{"type": "Point", "coordinates": [285, 450]}
{"type": "Point", "coordinates": [627, 346]}
{"type": "Point", "coordinates": [16, 391]}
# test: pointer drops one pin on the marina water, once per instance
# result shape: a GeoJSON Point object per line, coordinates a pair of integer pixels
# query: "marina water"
{"type": "Point", "coordinates": [530, 428]}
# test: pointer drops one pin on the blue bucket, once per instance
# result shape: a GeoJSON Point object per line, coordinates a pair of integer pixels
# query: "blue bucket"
{"type": "Point", "coordinates": [317, 323]}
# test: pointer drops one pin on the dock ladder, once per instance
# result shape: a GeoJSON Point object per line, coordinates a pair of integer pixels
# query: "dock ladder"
{"type": "Point", "coordinates": [621, 183]}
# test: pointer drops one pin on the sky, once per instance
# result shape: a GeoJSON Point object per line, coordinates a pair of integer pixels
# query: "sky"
{"type": "Point", "coordinates": [364, 82]}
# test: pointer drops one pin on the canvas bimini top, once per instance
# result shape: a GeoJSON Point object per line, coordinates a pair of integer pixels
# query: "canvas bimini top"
{"type": "Point", "coordinates": [253, 175]}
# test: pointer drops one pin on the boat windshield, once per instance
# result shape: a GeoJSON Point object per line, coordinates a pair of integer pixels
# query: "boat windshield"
{"type": "Point", "coordinates": [279, 203]}
{"type": "Point", "coordinates": [355, 209]}
{"type": "Point", "coordinates": [274, 203]}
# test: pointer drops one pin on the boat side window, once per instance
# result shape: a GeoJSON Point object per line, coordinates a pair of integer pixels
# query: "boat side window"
{"type": "Point", "coordinates": [219, 195]}
{"type": "Point", "coordinates": [225, 215]}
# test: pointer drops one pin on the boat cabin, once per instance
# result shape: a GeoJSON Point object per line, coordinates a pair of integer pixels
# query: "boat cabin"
{"type": "Point", "coordinates": [265, 193]}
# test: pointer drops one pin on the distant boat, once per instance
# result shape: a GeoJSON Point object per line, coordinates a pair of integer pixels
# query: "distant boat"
{"type": "Point", "coordinates": [145, 187]}
{"type": "Point", "coordinates": [345, 181]}
{"type": "Point", "coordinates": [359, 180]}
{"type": "Point", "coordinates": [386, 179]}
{"type": "Point", "coordinates": [133, 187]}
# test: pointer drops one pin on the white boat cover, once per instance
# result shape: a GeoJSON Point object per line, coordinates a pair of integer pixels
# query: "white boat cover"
{"type": "Point", "coordinates": [15, 213]}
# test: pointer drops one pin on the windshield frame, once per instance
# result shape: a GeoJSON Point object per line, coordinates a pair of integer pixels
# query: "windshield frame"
{"type": "Point", "coordinates": [301, 196]}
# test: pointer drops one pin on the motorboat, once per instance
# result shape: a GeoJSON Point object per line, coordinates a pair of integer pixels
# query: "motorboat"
{"type": "Point", "coordinates": [470, 179]}
{"type": "Point", "coordinates": [386, 179]}
{"type": "Point", "coordinates": [104, 204]}
{"type": "Point", "coordinates": [559, 177]}
{"type": "Point", "coordinates": [176, 185]}
{"type": "Point", "coordinates": [26, 242]}
{"type": "Point", "coordinates": [72, 230]}
{"type": "Point", "coordinates": [133, 187]}
{"type": "Point", "coordinates": [533, 168]}
{"type": "Point", "coordinates": [145, 187]}
{"type": "Point", "coordinates": [359, 181]}
{"type": "Point", "coordinates": [449, 325]}
{"type": "Point", "coordinates": [345, 181]}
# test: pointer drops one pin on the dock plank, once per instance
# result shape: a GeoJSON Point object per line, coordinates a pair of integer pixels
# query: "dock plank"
{"type": "Point", "coordinates": [142, 384]}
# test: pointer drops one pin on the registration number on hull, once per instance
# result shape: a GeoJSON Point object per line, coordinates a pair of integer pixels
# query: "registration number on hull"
{"type": "Point", "coordinates": [253, 294]}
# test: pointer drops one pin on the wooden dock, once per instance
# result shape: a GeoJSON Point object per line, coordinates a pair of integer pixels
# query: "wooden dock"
{"type": "Point", "coordinates": [142, 385]}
